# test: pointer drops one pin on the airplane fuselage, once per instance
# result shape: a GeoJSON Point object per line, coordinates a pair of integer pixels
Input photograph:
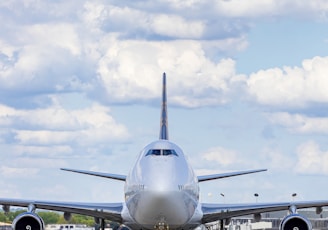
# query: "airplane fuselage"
{"type": "Point", "coordinates": [161, 188]}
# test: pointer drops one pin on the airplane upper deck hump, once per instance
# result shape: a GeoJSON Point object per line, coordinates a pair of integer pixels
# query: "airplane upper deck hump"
{"type": "Point", "coordinates": [164, 133]}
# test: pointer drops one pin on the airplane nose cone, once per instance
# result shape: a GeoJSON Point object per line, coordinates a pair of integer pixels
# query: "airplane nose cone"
{"type": "Point", "coordinates": [171, 207]}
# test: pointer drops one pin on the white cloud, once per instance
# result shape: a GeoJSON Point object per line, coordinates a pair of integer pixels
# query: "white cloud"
{"type": "Point", "coordinates": [46, 66]}
{"type": "Point", "coordinates": [61, 56]}
{"type": "Point", "coordinates": [223, 157]}
{"type": "Point", "coordinates": [219, 160]}
{"type": "Point", "coordinates": [253, 9]}
{"type": "Point", "coordinates": [162, 25]}
{"type": "Point", "coordinates": [55, 151]}
{"type": "Point", "coordinates": [295, 87]}
{"type": "Point", "coordinates": [53, 137]}
{"type": "Point", "coordinates": [273, 8]}
{"type": "Point", "coordinates": [130, 70]}
{"type": "Point", "coordinates": [276, 160]}
{"type": "Point", "coordinates": [6, 114]}
{"type": "Point", "coordinates": [129, 21]}
{"type": "Point", "coordinates": [56, 125]}
{"type": "Point", "coordinates": [8, 190]}
{"type": "Point", "coordinates": [11, 172]}
{"type": "Point", "coordinates": [60, 35]}
{"type": "Point", "coordinates": [300, 123]}
{"type": "Point", "coordinates": [311, 159]}
{"type": "Point", "coordinates": [184, 4]}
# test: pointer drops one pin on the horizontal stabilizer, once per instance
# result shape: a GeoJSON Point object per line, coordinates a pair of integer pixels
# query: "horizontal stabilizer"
{"type": "Point", "coordinates": [100, 174]}
{"type": "Point", "coordinates": [224, 175]}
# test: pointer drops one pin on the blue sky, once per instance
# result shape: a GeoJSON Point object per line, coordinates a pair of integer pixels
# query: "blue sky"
{"type": "Point", "coordinates": [275, 40]}
{"type": "Point", "coordinates": [80, 87]}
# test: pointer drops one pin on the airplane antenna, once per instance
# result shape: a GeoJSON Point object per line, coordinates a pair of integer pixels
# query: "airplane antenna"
{"type": "Point", "coordinates": [164, 133]}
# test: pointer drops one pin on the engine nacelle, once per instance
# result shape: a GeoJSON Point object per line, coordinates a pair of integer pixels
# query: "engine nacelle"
{"type": "Point", "coordinates": [295, 222]}
{"type": "Point", "coordinates": [28, 221]}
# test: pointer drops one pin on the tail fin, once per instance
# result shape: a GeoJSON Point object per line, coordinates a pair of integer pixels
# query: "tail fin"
{"type": "Point", "coordinates": [164, 133]}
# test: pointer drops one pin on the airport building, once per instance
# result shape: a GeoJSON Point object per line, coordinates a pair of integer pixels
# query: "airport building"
{"type": "Point", "coordinates": [272, 220]}
{"type": "Point", "coordinates": [5, 226]}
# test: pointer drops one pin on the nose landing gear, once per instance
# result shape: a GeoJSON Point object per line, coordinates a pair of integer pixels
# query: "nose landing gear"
{"type": "Point", "coordinates": [161, 226]}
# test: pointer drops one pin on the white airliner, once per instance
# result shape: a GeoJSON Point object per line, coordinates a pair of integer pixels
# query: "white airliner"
{"type": "Point", "coordinates": [161, 192]}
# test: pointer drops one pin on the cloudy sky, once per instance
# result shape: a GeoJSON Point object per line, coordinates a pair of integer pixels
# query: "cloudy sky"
{"type": "Point", "coordinates": [80, 87]}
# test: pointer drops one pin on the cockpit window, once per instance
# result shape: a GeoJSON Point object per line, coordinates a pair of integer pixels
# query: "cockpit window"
{"type": "Point", "coordinates": [167, 152]}
{"type": "Point", "coordinates": [161, 152]}
{"type": "Point", "coordinates": [156, 152]}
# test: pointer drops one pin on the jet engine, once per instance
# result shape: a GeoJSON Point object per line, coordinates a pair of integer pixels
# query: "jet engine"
{"type": "Point", "coordinates": [295, 222]}
{"type": "Point", "coordinates": [28, 221]}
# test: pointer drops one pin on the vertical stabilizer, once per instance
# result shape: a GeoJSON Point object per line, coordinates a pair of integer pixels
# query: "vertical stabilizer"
{"type": "Point", "coordinates": [164, 133]}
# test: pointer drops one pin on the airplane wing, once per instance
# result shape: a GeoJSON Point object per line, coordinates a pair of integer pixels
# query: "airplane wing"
{"type": "Point", "coordinates": [214, 212]}
{"type": "Point", "coordinates": [109, 211]}
{"type": "Point", "coordinates": [100, 174]}
{"type": "Point", "coordinates": [229, 174]}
